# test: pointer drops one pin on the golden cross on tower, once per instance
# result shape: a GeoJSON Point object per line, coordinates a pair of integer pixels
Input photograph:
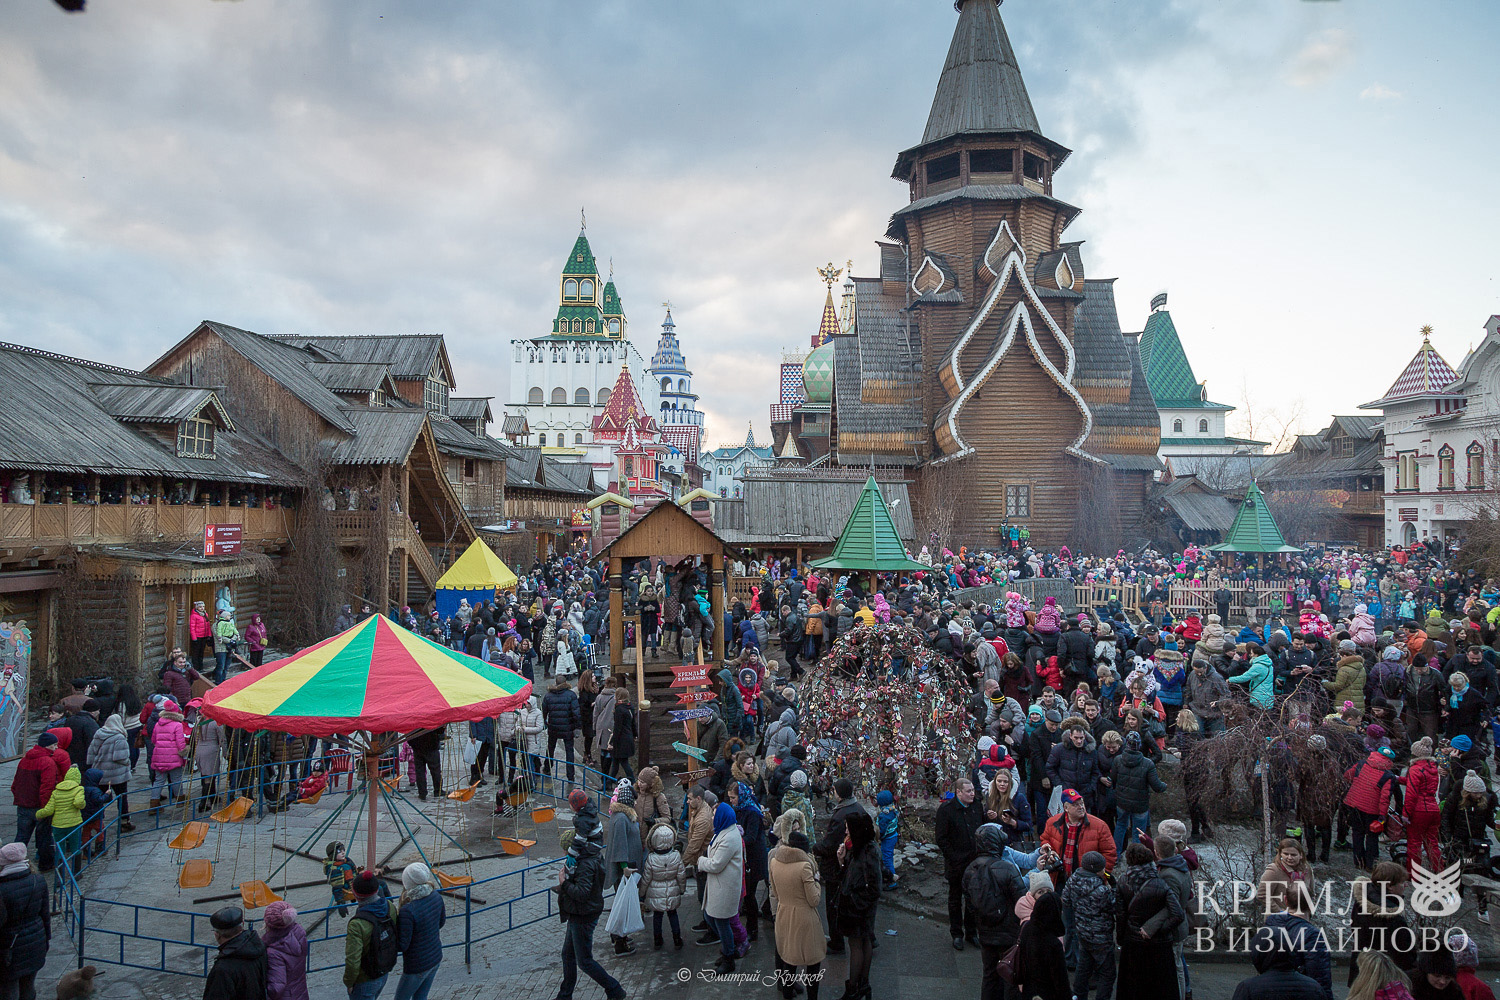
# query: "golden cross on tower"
{"type": "Point", "coordinates": [830, 274]}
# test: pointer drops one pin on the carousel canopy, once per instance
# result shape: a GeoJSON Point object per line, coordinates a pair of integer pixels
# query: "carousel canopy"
{"type": "Point", "coordinates": [375, 677]}
{"type": "Point", "coordinates": [869, 541]}
{"type": "Point", "coordinates": [476, 576]}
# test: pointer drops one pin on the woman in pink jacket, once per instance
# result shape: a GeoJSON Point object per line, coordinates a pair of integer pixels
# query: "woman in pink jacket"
{"type": "Point", "coordinates": [200, 631]}
{"type": "Point", "coordinates": [168, 743]}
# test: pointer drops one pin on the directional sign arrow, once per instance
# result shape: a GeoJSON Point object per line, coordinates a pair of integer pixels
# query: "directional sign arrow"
{"type": "Point", "coordinates": [691, 751]}
{"type": "Point", "coordinates": [684, 714]}
{"type": "Point", "coordinates": [690, 680]}
{"type": "Point", "coordinates": [693, 697]}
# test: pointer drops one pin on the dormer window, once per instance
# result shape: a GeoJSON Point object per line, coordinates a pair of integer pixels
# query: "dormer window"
{"type": "Point", "coordinates": [195, 438]}
{"type": "Point", "coordinates": [435, 395]}
{"type": "Point", "coordinates": [570, 290]}
{"type": "Point", "coordinates": [588, 326]}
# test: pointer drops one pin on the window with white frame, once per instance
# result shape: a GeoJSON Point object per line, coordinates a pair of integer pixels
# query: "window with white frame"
{"type": "Point", "coordinates": [195, 437]}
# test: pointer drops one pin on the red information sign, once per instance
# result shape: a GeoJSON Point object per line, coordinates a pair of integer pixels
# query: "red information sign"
{"type": "Point", "coordinates": [693, 697]}
{"type": "Point", "coordinates": [222, 539]}
{"type": "Point", "coordinates": [700, 676]}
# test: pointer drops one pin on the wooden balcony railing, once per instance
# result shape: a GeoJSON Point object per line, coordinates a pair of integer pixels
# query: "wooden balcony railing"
{"type": "Point", "coordinates": [358, 527]}
{"type": "Point", "coordinates": [119, 524]}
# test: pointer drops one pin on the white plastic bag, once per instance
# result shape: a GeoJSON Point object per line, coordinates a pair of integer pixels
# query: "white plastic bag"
{"type": "Point", "coordinates": [471, 750]}
{"type": "Point", "coordinates": [1054, 804]}
{"type": "Point", "coordinates": [625, 912]}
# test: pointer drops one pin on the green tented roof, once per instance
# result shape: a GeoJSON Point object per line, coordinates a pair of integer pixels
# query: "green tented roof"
{"type": "Point", "coordinates": [610, 304]}
{"type": "Point", "coordinates": [1254, 528]}
{"type": "Point", "coordinates": [1168, 371]}
{"type": "Point", "coordinates": [567, 314]}
{"type": "Point", "coordinates": [869, 541]}
{"type": "Point", "coordinates": [581, 260]}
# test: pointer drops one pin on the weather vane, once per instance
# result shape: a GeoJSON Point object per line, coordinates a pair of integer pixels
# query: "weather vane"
{"type": "Point", "coordinates": [667, 305]}
{"type": "Point", "coordinates": [830, 274]}
{"type": "Point", "coordinates": [583, 220]}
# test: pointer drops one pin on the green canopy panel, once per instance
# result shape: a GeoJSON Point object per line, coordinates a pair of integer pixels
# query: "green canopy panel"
{"type": "Point", "coordinates": [1254, 528]}
{"type": "Point", "coordinates": [869, 542]}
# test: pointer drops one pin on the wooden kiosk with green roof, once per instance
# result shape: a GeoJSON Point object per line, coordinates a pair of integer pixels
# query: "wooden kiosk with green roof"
{"type": "Point", "coordinates": [869, 542]}
{"type": "Point", "coordinates": [1254, 530]}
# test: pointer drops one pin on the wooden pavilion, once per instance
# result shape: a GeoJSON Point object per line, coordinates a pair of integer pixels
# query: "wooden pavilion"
{"type": "Point", "coordinates": [869, 542]}
{"type": "Point", "coordinates": [1254, 530]}
{"type": "Point", "coordinates": [671, 534]}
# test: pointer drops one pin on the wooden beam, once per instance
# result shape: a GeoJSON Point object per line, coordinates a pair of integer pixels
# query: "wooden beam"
{"type": "Point", "coordinates": [616, 610]}
{"type": "Point", "coordinates": [717, 604]}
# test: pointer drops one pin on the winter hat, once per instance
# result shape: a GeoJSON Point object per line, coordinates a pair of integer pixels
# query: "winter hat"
{"type": "Point", "coordinates": [227, 919]}
{"type": "Point", "coordinates": [985, 743]}
{"type": "Point", "coordinates": [578, 798]}
{"type": "Point", "coordinates": [799, 779]}
{"type": "Point", "coordinates": [1093, 861]}
{"type": "Point", "coordinates": [46, 740]}
{"type": "Point", "coordinates": [1422, 749]}
{"type": "Point", "coordinates": [1035, 710]}
{"type": "Point", "coordinates": [1375, 730]}
{"type": "Point", "coordinates": [1360, 609]}
{"type": "Point", "coordinates": [1461, 743]}
{"type": "Point", "coordinates": [997, 697]}
{"type": "Point", "coordinates": [1387, 753]}
{"type": "Point", "coordinates": [365, 883]}
{"type": "Point", "coordinates": [279, 915]}
{"type": "Point", "coordinates": [1473, 783]}
{"type": "Point", "coordinates": [1392, 653]}
{"type": "Point", "coordinates": [1347, 646]}
{"type": "Point", "coordinates": [1133, 740]}
{"type": "Point", "coordinates": [748, 676]}
{"type": "Point", "coordinates": [1318, 741]}
{"type": "Point", "coordinates": [624, 793]}
{"type": "Point", "coordinates": [12, 854]}
{"type": "Point", "coordinates": [1039, 882]}
{"type": "Point", "coordinates": [1465, 951]}
{"type": "Point", "coordinates": [416, 874]}
{"type": "Point", "coordinates": [1054, 716]}
{"type": "Point", "coordinates": [884, 797]}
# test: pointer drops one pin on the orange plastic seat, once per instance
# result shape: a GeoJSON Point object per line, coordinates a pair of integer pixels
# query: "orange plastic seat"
{"type": "Point", "coordinates": [544, 814]}
{"type": "Point", "coordinates": [190, 836]}
{"type": "Point", "coordinates": [256, 894]}
{"type": "Point", "coordinates": [453, 881]}
{"type": "Point", "coordinates": [464, 794]}
{"type": "Point", "coordinates": [515, 846]}
{"type": "Point", "coordinates": [196, 873]}
{"type": "Point", "coordinates": [517, 800]}
{"type": "Point", "coordinates": [391, 784]}
{"type": "Point", "coordinates": [312, 799]}
{"type": "Point", "coordinates": [235, 811]}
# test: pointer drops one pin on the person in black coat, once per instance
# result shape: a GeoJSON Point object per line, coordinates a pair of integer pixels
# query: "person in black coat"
{"type": "Point", "coordinates": [991, 877]}
{"type": "Point", "coordinates": [1276, 959]}
{"type": "Point", "coordinates": [826, 850]}
{"type": "Point", "coordinates": [957, 820]}
{"type": "Point", "coordinates": [1041, 966]}
{"type": "Point", "coordinates": [859, 895]}
{"type": "Point", "coordinates": [580, 901]}
{"type": "Point", "coordinates": [1072, 764]}
{"type": "Point", "coordinates": [241, 969]}
{"type": "Point", "coordinates": [563, 716]}
{"type": "Point", "coordinates": [1464, 709]}
{"type": "Point", "coordinates": [25, 921]}
{"type": "Point", "coordinates": [623, 736]}
{"type": "Point", "coordinates": [1073, 651]}
{"type": "Point", "coordinates": [1148, 915]}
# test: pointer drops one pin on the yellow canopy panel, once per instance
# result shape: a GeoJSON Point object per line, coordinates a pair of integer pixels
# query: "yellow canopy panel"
{"type": "Point", "coordinates": [477, 569]}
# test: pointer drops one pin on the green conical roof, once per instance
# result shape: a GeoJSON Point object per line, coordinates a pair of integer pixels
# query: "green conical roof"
{"type": "Point", "coordinates": [581, 260]}
{"type": "Point", "coordinates": [869, 540]}
{"type": "Point", "coordinates": [1254, 528]}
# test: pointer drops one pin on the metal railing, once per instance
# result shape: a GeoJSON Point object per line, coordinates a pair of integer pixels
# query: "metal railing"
{"type": "Point", "coordinates": [491, 906]}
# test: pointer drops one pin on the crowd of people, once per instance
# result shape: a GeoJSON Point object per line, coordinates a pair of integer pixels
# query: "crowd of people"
{"type": "Point", "coordinates": [1061, 869]}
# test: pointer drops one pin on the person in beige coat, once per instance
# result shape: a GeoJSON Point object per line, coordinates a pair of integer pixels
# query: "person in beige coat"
{"type": "Point", "coordinates": [701, 804]}
{"type": "Point", "coordinates": [724, 863]}
{"type": "Point", "coordinates": [795, 894]}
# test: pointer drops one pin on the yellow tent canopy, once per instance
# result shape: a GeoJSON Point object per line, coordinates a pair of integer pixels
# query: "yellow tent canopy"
{"type": "Point", "coordinates": [475, 575]}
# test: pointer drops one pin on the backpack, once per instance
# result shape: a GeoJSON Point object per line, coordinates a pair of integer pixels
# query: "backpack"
{"type": "Point", "coordinates": [987, 897]}
{"type": "Point", "coordinates": [1392, 683]}
{"type": "Point", "coordinates": [381, 954]}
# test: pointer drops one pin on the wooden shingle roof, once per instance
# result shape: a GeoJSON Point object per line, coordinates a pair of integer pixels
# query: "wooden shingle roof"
{"type": "Point", "coordinates": [407, 355]}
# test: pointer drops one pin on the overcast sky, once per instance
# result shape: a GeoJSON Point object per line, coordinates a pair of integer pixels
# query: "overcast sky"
{"type": "Point", "coordinates": [1310, 181]}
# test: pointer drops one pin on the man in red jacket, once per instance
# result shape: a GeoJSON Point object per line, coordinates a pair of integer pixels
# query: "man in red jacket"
{"type": "Point", "coordinates": [37, 775]}
{"type": "Point", "coordinates": [1421, 808]}
{"type": "Point", "coordinates": [1368, 798]}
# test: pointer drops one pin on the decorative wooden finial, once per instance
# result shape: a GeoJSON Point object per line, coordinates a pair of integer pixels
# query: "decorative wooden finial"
{"type": "Point", "coordinates": [830, 274]}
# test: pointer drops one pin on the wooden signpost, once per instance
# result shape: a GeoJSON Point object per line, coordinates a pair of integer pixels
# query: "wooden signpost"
{"type": "Point", "coordinates": [693, 676]}
{"type": "Point", "coordinates": [694, 697]}
{"type": "Point", "coordinates": [691, 751]}
{"type": "Point", "coordinates": [687, 777]}
{"type": "Point", "coordinates": [687, 714]}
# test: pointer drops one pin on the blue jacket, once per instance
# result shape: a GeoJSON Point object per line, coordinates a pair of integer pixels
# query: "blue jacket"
{"type": "Point", "coordinates": [1261, 679]}
{"type": "Point", "coordinates": [1308, 945]}
{"type": "Point", "coordinates": [417, 925]}
{"type": "Point", "coordinates": [482, 730]}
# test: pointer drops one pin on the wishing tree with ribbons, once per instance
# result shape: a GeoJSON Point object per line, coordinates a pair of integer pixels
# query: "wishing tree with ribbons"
{"type": "Point", "coordinates": [890, 711]}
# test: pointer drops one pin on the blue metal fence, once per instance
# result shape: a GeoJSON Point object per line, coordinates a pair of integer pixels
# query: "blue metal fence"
{"type": "Point", "coordinates": [141, 942]}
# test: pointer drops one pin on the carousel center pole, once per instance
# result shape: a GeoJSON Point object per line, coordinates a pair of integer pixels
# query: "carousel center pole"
{"type": "Point", "coordinates": [372, 785]}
